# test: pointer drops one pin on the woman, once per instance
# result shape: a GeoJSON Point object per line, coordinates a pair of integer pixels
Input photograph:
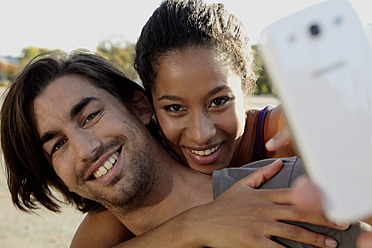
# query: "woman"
{"type": "Point", "coordinates": [195, 63]}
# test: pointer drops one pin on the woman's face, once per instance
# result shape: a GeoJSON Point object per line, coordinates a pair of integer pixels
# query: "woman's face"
{"type": "Point", "coordinates": [199, 105]}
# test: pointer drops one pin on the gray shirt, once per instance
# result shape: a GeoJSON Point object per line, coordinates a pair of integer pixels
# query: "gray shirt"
{"type": "Point", "coordinates": [292, 168]}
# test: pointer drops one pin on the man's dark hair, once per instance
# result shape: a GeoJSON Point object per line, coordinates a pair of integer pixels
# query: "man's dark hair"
{"type": "Point", "coordinates": [30, 175]}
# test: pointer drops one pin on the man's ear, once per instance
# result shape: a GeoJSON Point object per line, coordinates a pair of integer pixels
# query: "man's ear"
{"type": "Point", "coordinates": [142, 107]}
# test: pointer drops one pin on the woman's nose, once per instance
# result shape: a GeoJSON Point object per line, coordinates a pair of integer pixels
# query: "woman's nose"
{"type": "Point", "coordinates": [201, 128]}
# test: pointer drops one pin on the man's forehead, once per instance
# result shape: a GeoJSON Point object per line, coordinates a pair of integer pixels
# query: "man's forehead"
{"type": "Point", "coordinates": [69, 89]}
{"type": "Point", "coordinates": [60, 98]}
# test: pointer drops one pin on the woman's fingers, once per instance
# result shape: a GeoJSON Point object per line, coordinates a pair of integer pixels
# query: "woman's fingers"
{"type": "Point", "coordinates": [279, 140]}
{"type": "Point", "coordinates": [306, 195]}
{"type": "Point", "coordinates": [297, 233]}
{"type": "Point", "coordinates": [262, 175]}
{"type": "Point", "coordinates": [365, 240]}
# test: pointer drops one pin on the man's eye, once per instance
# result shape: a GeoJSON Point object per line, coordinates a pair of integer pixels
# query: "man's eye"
{"type": "Point", "coordinates": [90, 117]}
{"type": "Point", "coordinates": [58, 146]}
{"type": "Point", "coordinates": [219, 101]}
{"type": "Point", "coordinates": [174, 108]}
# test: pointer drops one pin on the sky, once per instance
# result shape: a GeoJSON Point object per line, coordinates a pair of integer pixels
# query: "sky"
{"type": "Point", "coordinates": [72, 24]}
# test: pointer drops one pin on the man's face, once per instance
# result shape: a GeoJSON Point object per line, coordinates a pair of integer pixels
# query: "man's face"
{"type": "Point", "coordinates": [95, 144]}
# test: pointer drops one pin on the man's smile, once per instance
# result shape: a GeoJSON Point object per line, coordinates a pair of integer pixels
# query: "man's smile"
{"type": "Point", "coordinates": [103, 166]}
{"type": "Point", "coordinates": [107, 166]}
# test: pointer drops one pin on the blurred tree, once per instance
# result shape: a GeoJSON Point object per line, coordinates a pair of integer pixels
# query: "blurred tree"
{"type": "Point", "coordinates": [121, 53]}
{"type": "Point", "coordinates": [263, 85]}
{"type": "Point", "coordinates": [30, 52]}
{"type": "Point", "coordinates": [10, 69]}
{"type": "Point", "coordinates": [7, 70]}
{"type": "Point", "coordinates": [2, 72]}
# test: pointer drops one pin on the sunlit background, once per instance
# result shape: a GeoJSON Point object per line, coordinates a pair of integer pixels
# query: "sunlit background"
{"type": "Point", "coordinates": [72, 24]}
{"type": "Point", "coordinates": [112, 27]}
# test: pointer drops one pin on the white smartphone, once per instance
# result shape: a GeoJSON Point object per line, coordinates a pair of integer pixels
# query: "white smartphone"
{"type": "Point", "coordinates": [320, 63]}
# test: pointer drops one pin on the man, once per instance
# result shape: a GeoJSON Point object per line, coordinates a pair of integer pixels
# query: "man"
{"type": "Point", "coordinates": [77, 125]}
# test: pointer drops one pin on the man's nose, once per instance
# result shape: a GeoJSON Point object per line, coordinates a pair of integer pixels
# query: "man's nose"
{"type": "Point", "coordinates": [201, 128]}
{"type": "Point", "coordinates": [85, 144]}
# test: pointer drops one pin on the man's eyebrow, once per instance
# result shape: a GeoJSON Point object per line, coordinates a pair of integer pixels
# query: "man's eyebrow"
{"type": "Point", "coordinates": [80, 105]}
{"type": "Point", "coordinates": [47, 136]}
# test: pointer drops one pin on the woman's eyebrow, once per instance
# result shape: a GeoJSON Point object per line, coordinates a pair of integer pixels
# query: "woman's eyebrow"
{"type": "Point", "coordinates": [217, 89]}
{"type": "Point", "coordinates": [178, 98]}
{"type": "Point", "coordinates": [170, 97]}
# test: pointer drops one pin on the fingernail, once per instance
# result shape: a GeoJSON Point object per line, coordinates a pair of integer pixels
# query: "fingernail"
{"type": "Point", "coordinates": [329, 242]}
{"type": "Point", "coordinates": [342, 225]}
{"type": "Point", "coordinates": [270, 143]}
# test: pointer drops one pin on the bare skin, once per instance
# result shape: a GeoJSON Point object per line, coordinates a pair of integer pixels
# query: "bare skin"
{"type": "Point", "coordinates": [308, 197]}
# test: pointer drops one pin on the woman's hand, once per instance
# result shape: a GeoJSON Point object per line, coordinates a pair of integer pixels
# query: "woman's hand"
{"type": "Point", "coordinates": [307, 196]}
{"type": "Point", "coordinates": [103, 229]}
{"type": "Point", "coordinates": [246, 217]}
{"type": "Point", "coordinates": [365, 240]}
{"type": "Point", "coordinates": [280, 140]}
{"type": "Point", "coordinates": [240, 217]}
{"type": "Point", "coordinates": [278, 137]}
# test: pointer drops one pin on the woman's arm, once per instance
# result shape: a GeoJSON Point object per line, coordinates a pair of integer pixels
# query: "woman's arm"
{"type": "Point", "coordinates": [240, 217]}
{"type": "Point", "coordinates": [100, 229]}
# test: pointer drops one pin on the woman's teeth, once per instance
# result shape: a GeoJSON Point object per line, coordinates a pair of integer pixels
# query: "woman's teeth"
{"type": "Point", "coordinates": [206, 152]}
{"type": "Point", "coordinates": [107, 165]}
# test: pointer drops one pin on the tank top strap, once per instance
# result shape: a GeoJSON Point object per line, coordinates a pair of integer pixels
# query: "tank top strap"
{"type": "Point", "coordinates": [259, 149]}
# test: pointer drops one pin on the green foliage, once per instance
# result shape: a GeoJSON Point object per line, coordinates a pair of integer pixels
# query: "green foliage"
{"type": "Point", "coordinates": [121, 53]}
{"type": "Point", "coordinates": [30, 52]}
{"type": "Point", "coordinates": [4, 83]}
{"type": "Point", "coordinates": [263, 85]}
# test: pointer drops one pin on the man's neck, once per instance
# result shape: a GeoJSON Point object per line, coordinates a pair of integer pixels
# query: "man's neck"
{"type": "Point", "coordinates": [177, 188]}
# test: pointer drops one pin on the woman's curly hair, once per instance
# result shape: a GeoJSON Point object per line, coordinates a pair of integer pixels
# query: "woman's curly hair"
{"type": "Point", "coordinates": [178, 24]}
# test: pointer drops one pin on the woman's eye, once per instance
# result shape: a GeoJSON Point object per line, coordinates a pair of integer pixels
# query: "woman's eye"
{"type": "Point", "coordinates": [174, 108]}
{"type": "Point", "coordinates": [219, 101]}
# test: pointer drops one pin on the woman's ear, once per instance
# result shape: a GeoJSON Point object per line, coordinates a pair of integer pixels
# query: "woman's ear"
{"type": "Point", "coordinates": [142, 107]}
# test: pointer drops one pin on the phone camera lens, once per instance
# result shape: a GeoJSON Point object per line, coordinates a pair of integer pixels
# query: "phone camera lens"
{"type": "Point", "coordinates": [314, 30]}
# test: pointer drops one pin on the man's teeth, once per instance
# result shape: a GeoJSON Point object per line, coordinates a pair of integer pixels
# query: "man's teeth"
{"type": "Point", "coordinates": [206, 152]}
{"type": "Point", "coordinates": [107, 165]}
